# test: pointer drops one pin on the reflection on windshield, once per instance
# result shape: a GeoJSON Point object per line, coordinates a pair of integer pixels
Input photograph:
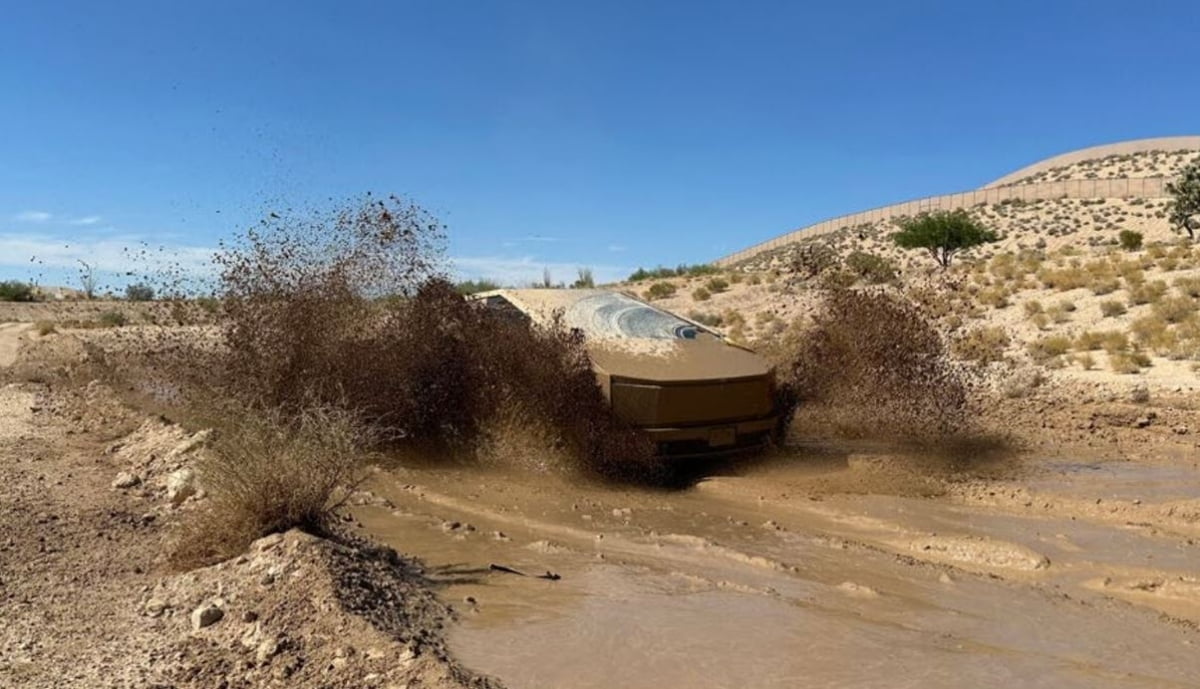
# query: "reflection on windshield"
{"type": "Point", "coordinates": [616, 315]}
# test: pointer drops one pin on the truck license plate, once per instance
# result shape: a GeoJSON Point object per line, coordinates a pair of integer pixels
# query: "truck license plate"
{"type": "Point", "coordinates": [720, 437]}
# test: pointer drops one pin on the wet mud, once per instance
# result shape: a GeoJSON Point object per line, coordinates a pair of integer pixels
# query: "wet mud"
{"type": "Point", "coordinates": [769, 575]}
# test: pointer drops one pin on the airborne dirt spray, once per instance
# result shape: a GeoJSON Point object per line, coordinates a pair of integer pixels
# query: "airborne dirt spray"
{"type": "Point", "coordinates": [871, 366]}
{"type": "Point", "coordinates": [351, 310]}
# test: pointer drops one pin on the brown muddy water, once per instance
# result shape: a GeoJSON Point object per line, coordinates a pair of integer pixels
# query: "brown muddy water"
{"type": "Point", "coordinates": [773, 576]}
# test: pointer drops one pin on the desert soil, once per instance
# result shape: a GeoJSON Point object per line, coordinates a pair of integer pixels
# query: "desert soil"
{"type": "Point", "coordinates": [91, 500]}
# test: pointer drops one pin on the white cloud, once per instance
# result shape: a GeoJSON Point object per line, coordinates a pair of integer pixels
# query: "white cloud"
{"type": "Point", "coordinates": [616, 248]}
{"type": "Point", "coordinates": [525, 270]}
{"type": "Point", "coordinates": [115, 254]}
{"type": "Point", "coordinates": [32, 216]}
{"type": "Point", "coordinates": [86, 220]}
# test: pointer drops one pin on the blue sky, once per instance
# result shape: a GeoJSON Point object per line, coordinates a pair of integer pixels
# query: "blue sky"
{"type": "Point", "coordinates": [608, 134]}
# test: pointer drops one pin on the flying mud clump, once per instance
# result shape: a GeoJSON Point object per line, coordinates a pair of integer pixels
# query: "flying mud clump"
{"type": "Point", "coordinates": [872, 367]}
{"type": "Point", "coordinates": [351, 310]}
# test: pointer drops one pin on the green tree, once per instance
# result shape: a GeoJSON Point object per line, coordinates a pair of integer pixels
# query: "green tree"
{"type": "Point", "coordinates": [1185, 201]}
{"type": "Point", "coordinates": [942, 234]}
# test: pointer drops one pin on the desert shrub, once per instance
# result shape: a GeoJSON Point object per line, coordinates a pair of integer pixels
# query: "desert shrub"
{"type": "Point", "coordinates": [717, 285]}
{"type": "Point", "coordinates": [44, 328]}
{"type": "Point", "coordinates": [139, 292]}
{"type": "Point", "coordinates": [475, 286]}
{"type": "Point", "coordinates": [1174, 309]}
{"type": "Point", "coordinates": [985, 344]}
{"type": "Point", "coordinates": [15, 290]}
{"type": "Point", "coordinates": [1049, 347]}
{"type": "Point", "coordinates": [1112, 307]}
{"type": "Point", "coordinates": [1130, 240]}
{"type": "Point", "coordinates": [1123, 362]}
{"type": "Point", "coordinates": [736, 277]}
{"type": "Point", "coordinates": [1033, 307]}
{"type": "Point", "coordinates": [870, 268]}
{"type": "Point", "coordinates": [1147, 292]}
{"type": "Point", "coordinates": [660, 290]}
{"type": "Point", "coordinates": [1115, 341]}
{"type": "Point", "coordinates": [872, 365]}
{"type": "Point", "coordinates": [995, 297]}
{"type": "Point", "coordinates": [1085, 360]}
{"type": "Point", "coordinates": [682, 270]}
{"type": "Point", "coordinates": [1189, 286]}
{"type": "Point", "coordinates": [267, 473]}
{"type": "Point", "coordinates": [1063, 279]}
{"type": "Point", "coordinates": [754, 279]}
{"type": "Point", "coordinates": [1089, 340]}
{"type": "Point", "coordinates": [1040, 320]}
{"type": "Point", "coordinates": [1104, 285]}
{"type": "Point", "coordinates": [113, 319]}
{"type": "Point", "coordinates": [1022, 382]}
{"type": "Point", "coordinates": [712, 320]}
{"type": "Point", "coordinates": [1061, 312]}
{"type": "Point", "coordinates": [1153, 332]}
{"type": "Point", "coordinates": [701, 294]}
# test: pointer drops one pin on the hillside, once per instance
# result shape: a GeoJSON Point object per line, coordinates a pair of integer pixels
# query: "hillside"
{"type": "Point", "coordinates": [1056, 294]}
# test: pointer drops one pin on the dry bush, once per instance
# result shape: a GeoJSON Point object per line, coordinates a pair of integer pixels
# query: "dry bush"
{"type": "Point", "coordinates": [1112, 307]}
{"type": "Point", "coordinates": [660, 290]}
{"type": "Point", "coordinates": [1123, 362]}
{"type": "Point", "coordinates": [1115, 341]}
{"type": "Point", "coordinates": [984, 345]}
{"type": "Point", "coordinates": [268, 473]}
{"type": "Point", "coordinates": [871, 365]}
{"type": "Point", "coordinates": [701, 294]}
{"type": "Point", "coordinates": [1147, 292]}
{"type": "Point", "coordinates": [1153, 332]}
{"type": "Point", "coordinates": [1049, 347]}
{"type": "Point", "coordinates": [1061, 312]}
{"type": "Point", "coordinates": [1089, 340]}
{"type": "Point", "coordinates": [1175, 309]}
{"type": "Point", "coordinates": [1063, 279]}
{"type": "Point", "coordinates": [1189, 286]}
{"type": "Point", "coordinates": [1085, 360]}
{"type": "Point", "coordinates": [44, 328]}
{"type": "Point", "coordinates": [1033, 307]}
{"type": "Point", "coordinates": [995, 297]}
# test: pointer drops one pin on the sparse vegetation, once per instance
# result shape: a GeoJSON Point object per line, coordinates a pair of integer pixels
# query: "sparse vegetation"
{"type": "Point", "coordinates": [682, 270]}
{"type": "Point", "coordinates": [139, 292]}
{"type": "Point", "coordinates": [1112, 307]}
{"type": "Point", "coordinates": [701, 294]}
{"type": "Point", "coordinates": [1130, 240]}
{"type": "Point", "coordinates": [660, 290]}
{"type": "Point", "coordinates": [984, 344]}
{"type": "Point", "coordinates": [15, 290]}
{"type": "Point", "coordinates": [716, 285]}
{"type": "Point", "coordinates": [113, 319]}
{"type": "Point", "coordinates": [869, 268]}
{"type": "Point", "coordinates": [475, 286]}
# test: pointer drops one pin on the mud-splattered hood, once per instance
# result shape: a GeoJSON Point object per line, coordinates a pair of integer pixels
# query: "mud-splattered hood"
{"type": "Point", "coordinates": [628, 338]}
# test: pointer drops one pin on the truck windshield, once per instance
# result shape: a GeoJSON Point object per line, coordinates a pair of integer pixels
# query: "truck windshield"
{"type": "Point", "coordinates": [616, 315]}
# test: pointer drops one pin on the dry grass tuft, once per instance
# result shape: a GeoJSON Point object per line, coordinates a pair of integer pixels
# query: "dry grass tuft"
{"type": "Point", "coordinates": [269, 473]}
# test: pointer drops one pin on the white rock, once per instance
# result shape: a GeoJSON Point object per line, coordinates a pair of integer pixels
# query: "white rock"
{"type": "Point", "coordinates": [181, 485]}
{"type": "Point", "coordinates": [125, 480]}
{"type": "Point", "coordinates": [206, 615]}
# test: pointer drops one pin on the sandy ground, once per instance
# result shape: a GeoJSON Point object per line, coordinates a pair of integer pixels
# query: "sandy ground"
{"type": "Point", "coordinates": [89, 598]}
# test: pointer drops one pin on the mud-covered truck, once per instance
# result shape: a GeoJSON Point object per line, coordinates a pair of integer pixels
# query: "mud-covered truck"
{"type": "Point", "coordinates": [687, 387]}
